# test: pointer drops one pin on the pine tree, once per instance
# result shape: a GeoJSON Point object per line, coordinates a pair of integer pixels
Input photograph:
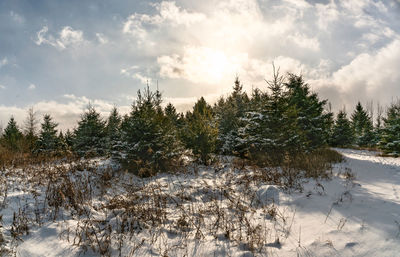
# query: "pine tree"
{"type": "Point", "coordinates": [342, 133]}
{"type": "Point", "coordinates": [62, 143]}
{"type": "Point", "coordinates": [200, 132]}
{"type": "Point", "coordinates": [390, 138]}
{"type": "Point", "coordinates": [48, 141]}
{"type": "Point", "coordinates": [12, 136]}
{"type": "Point", "coordinates": [172, 115]}
{"type": "Point", "coordinates": [30, 130]}
{"type": "Point", "coordinates": [312, 120]}
{"type": "Point", "coordinates": [69, 139]}
{"type": "Point", "coordinates": [89, 139]}
{"type": "Point", "coordinates": [269, 130]}
{"type": "Point", "coordinates": [113, 133]}
{"type": "Point", "coordinates": [362, 126]}
{"type": "Point", "coordinates": [151, 143]}
{"type": "Point", "coordinates": [230, 114]}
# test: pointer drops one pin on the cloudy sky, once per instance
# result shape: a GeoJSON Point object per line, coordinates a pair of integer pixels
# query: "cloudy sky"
{"type": "Point", "coordinates": [58, 55]}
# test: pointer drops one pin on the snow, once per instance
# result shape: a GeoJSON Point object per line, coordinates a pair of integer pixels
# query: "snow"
{"type": "Point", "coordinates": [267, 194]}
{"type": "Point", "coordinates": [356, 213]}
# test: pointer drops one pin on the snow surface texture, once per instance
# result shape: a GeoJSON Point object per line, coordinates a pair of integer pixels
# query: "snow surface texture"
{"type": "Point", "coordinates": [356, 213]}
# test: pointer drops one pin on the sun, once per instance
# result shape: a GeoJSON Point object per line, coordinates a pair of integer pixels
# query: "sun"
{"type": "Point", "coordinates": [207, 64]}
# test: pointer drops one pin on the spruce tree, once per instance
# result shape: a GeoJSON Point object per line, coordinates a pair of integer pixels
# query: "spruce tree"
{"type": "Point", "coordinates": [362, 126]}
{"type": "Point", "coordinates": [48, 141]}
{"type": "Point", "coordinates": [69, 139]}
{"type": "Point", "coordinates": [12, 136]}
{"type": "Point", "coordinates": [230, 114]}
{"type": "Point", "coordinates": [270, 129]}
{"type": "Point", "coordinates": [342, 132]}
{"type": "Point", "coordinates": [30, 132]}
{"type": "Point", "coordinates": [171, 114]}
{"type": "Point", "coordinates": [201, 131]}
{"type": "Point", "coordinates": [390, 137]}
{"type": "Point", "coordinates": [150, 142]}
{"type": "Point", "coordinates": [90, 134]}
{"type": "Point", "coordinates": [113, 133]}
{"type": "Point", "coordinates": [62, 143]}
{"type": "Point", "coordinates": [312, 120]}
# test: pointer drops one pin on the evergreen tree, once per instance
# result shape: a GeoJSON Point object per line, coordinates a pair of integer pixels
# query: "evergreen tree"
{"type": "Point", "coordinates": [312, 121]}
{"type": "Point", "coordinates": [270, 130]}
{"type": "Point", "coordinates": [230, 114]}
{"type": "Point", "coordinates": [62, 143]}
{"type": "Point", "coordinates": [362, 126]}
{"type": "Point", "coordinates": [151, 143]}
{"type": "Point", "coordinates": [48, 141]}
{"type": "Point", "coordinates": [172, 115]}
{"type": "Point", "coordinates": [342, 133]}
{"type": "Point", "coordinates": [113, 133]}
{"type": "Point", "coordinates": [90, 134]}
{"type": "Point", "coordinates": [12, 136]}
{"type": "Point", "coordinates": [201, 131]}
{"type": "Point", "coordinates": [30, 130]}
{"type": "Point", "coordinates": [379, 125]}
{"type": "Point", "coordinates": [390, 138]}
{"type": "Point", "coordinates": [69, 139]}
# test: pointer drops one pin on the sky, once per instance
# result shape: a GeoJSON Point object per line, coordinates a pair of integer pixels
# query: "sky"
{"type": "Point", "coordinates": [57, 56]}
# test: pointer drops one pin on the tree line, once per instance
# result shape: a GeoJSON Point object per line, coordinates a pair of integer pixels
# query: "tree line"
{"type": "Point", "coordinates": [267, 126]}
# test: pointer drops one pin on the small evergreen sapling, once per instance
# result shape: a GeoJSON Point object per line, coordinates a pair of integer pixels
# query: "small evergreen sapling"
{"type": "Point", "coordinates": [201, 131]}
{"type": "Point", "coordinates": [48, 141]}
{"type": "Point", "coordinates": [90, 136]}
{"type": "Point", "coordinates": [150, 140]}
{"type": "Point", "coordinates": [362, 127]}
{"type": "Point", "coordinates": [342, 132]}
{"type": "Point", "coordinates": [12, 136]}
{"type": "Point", "coordinates": [390, 138]}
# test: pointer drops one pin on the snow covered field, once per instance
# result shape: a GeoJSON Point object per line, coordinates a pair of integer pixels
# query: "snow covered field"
{"type": "Point", "coordinates": [209, 211]}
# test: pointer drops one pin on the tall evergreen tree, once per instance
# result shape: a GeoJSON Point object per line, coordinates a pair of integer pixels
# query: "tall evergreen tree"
{"type": "Point", "coordinates": [48, 141]}
{"type": "Point", "coordinates": [230, 114]}
{"type": "Point", "coordinates": [12, 136]}
{"type": "Point", "coordinates": [312, 120]}
{"type": "Point", "coordinates": [62, 143]}
{"type": "Point", "coordinates": [151, 143]}
{"type": "Point", "coordinates": [379, 125]}
{"type": "Point", "coordinates": [90, 134]}
{"type": "Point", "coordinates": [362, 126]}
{"type": "Point", "coordinates": [30, 129]}
{"type": "Point", "coordinates": [342, 133]}
{"type": "Point", "coordinates": [201, 131]}
{"type": "Point", "coordinates": [113, 132]}
{"type": "Point", "coordinates": [270, 130]}
{"type": "Point", "coordinates": [69, 139]}
{"type": "Point", "coordinates": [172, 115]}
{"type": "Point", "coordinates": [390, 138]}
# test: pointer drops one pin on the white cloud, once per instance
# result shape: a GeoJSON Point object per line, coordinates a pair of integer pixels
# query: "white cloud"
{"type": "Point", "coordinates": [369, 76]}
{"type": "Point", "coordinates": [66, 112]}
{"type": "Point", "coordinates": [17, 17]}
{"type": "Point", "coordinates": [133, 72]}
{"type": "Point", "coordinates": [3, 62]}
{"type": "Point", "coordinates": [199, 65]}
{"type": "Point", "coordinates": [66, 37]}
{"type": "Point", "coordinates": [169, 14]}
{"type": "Point", "coordinates": [32, 87]}
{"type": "Point", "coordinates": [368, 73]}
{"type": "Point", "coordinates": [303, 41]}
{"type": "Point", "coordinates": [2, 87]}
{"type": "Point", "coordinates": [102, 38]}
{"type": "Point", "coordinates": [327, 14]}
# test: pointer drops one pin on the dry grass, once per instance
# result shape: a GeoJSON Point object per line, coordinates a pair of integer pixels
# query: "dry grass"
{"type": "Point", "coordinates": [122, 217]}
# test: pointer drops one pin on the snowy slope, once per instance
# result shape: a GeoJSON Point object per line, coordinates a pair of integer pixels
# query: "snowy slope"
{"type": "Point", "coordinates": [343, 216]}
